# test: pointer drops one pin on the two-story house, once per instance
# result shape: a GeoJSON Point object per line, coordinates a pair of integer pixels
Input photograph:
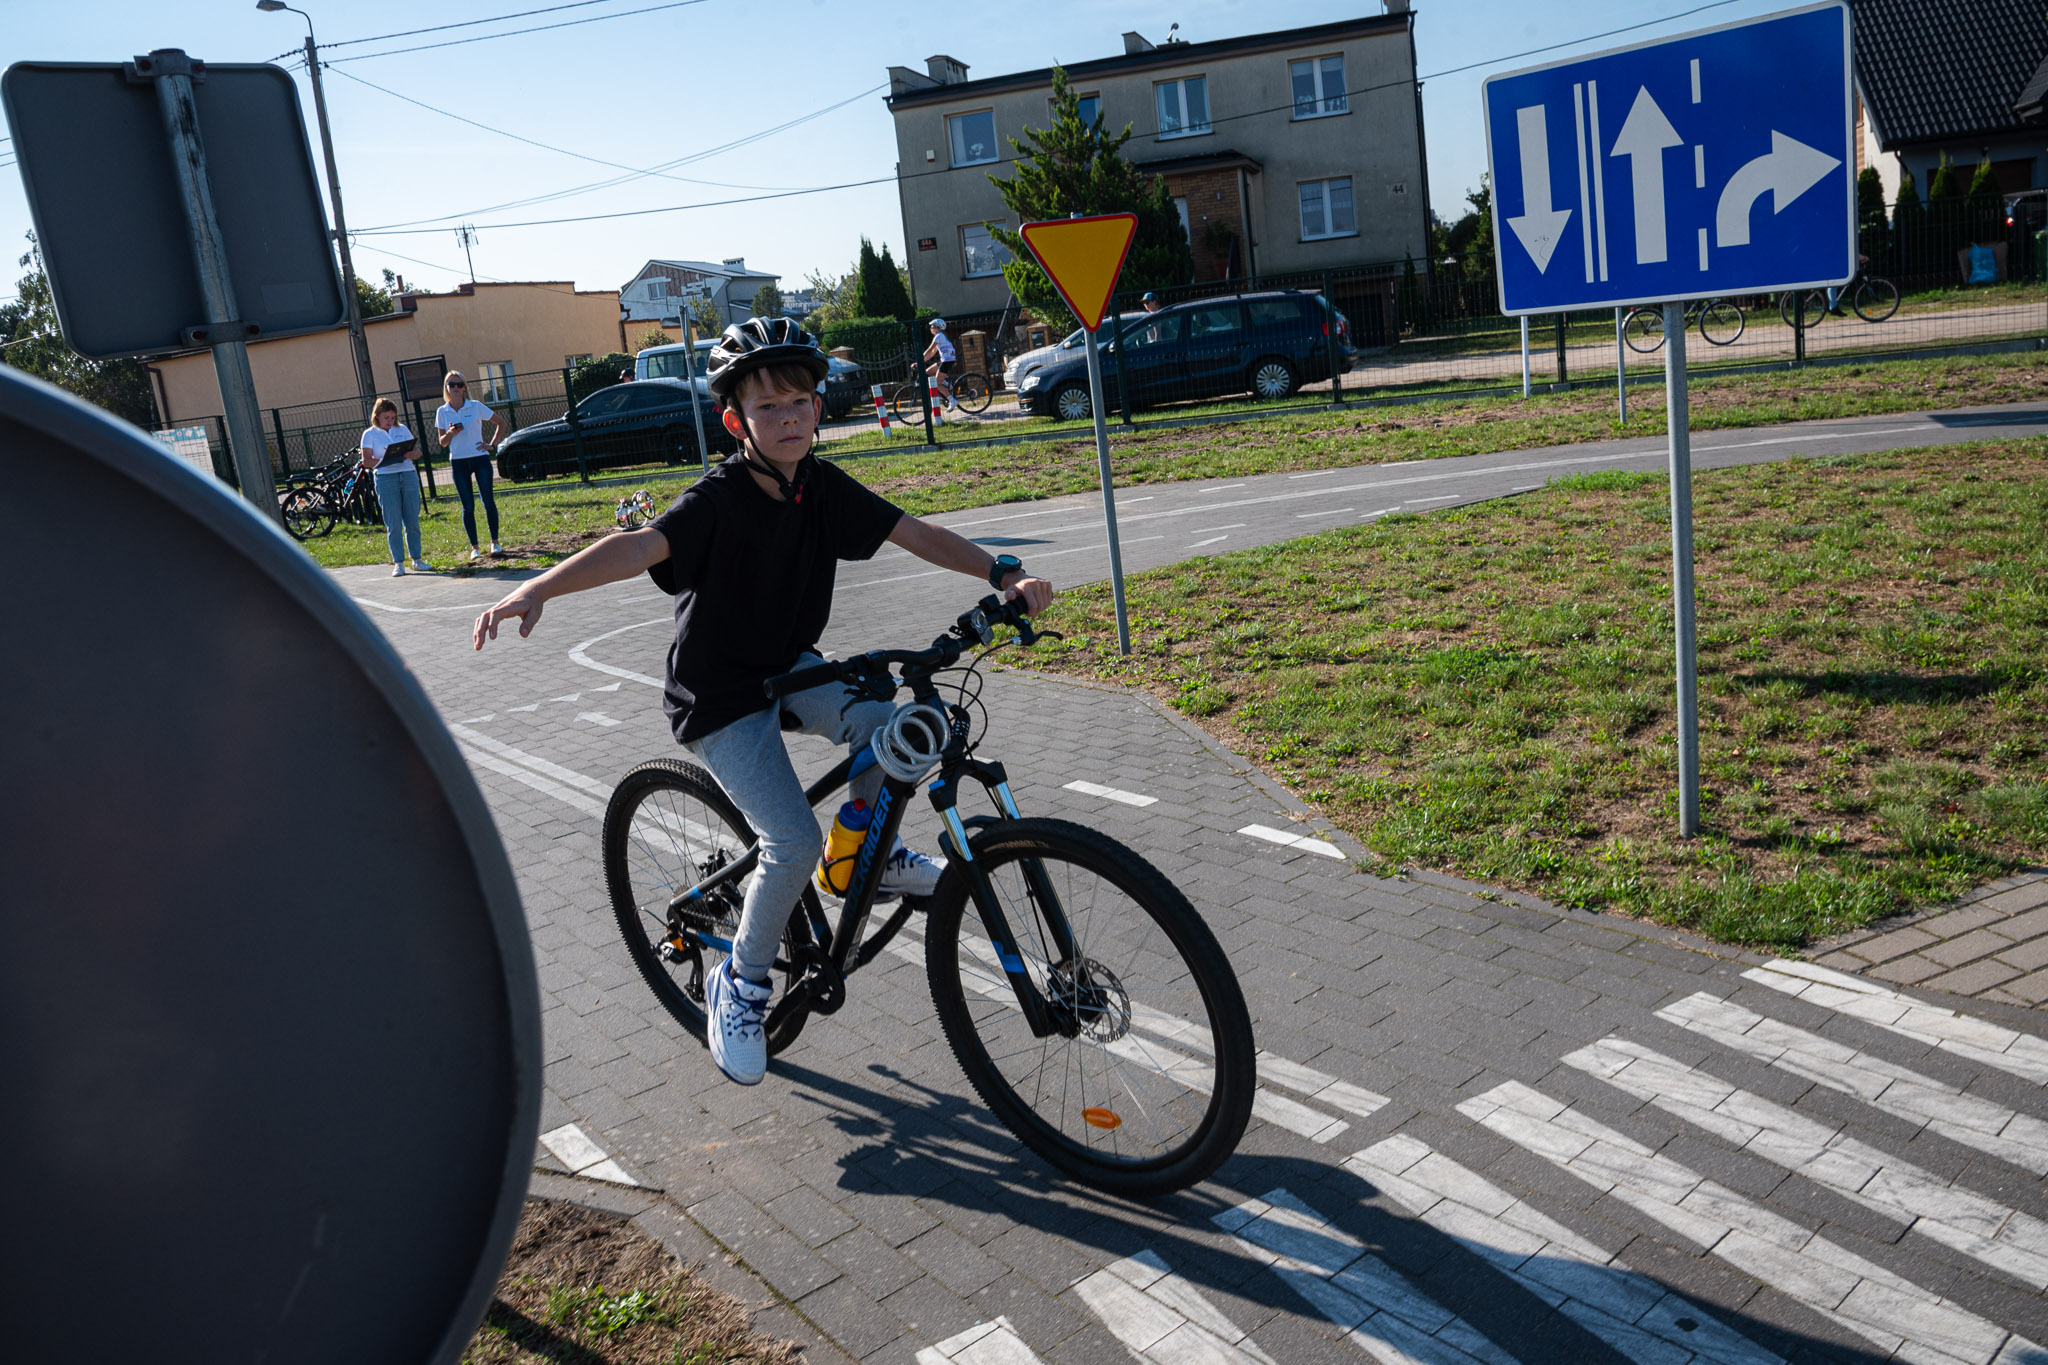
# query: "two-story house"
{"type": "Point", "coordinates": [1286, 151]}
{"type": "Point", "coordinates": [664, 289]}
{"type": "Point", "coordinates": [1965, 80]}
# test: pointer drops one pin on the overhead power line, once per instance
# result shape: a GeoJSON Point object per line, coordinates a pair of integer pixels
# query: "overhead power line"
{"type": "Point", "coordinates": [467, 23]}
{"type": "Point", "coordinates": [633, 213]}
{"type": "Point", "coordinates": [513, 33]}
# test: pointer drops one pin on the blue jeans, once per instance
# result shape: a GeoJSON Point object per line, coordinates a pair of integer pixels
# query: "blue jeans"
{"type": "Point", "coordinates": [476, 467]}
{"type": "Point", "coordinates": [398, 494]}
{"type": "Point", "coordinates": [749, 761]}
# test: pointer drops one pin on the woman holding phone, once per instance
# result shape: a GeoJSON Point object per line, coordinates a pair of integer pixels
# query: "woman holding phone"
{"type": "Point", "coordinates": [460, 422]}
{"type": "Point", "coordinates": [387, 448]}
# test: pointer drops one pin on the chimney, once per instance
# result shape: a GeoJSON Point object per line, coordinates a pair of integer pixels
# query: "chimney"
{"type": "Point", "coordinates": [946, 70]}
{"type": "Point", "coordinates": [1397, 6]}
{"type": "Point", "coordinates": [1134, 43]}
{"type": "Point", "coordinates": [902, 79]}
{"type": "Point", "coordinates": [738, 263]}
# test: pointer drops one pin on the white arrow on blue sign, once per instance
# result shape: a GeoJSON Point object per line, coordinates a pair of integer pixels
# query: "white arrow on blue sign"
{"type": "Point", "coordinates": [1720, 162]}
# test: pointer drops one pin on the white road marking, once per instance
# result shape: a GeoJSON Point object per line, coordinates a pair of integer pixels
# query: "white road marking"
{"type": "Point", "coordinates": [1852, 1292]}
{"type": "Point", "coordinates": [479, 720]}
{"type": "Point", "coordinates": [1010, 516]}
{"type": "Point", "coordinates": [1035, 558]}
{"type": "Point", "coordinates": [1318, 474]}
{"type": "Point", "coordinates": [515, 709]}
{"type": "Point", "coordinates": [2006, 1240]}
{"type": "Point", "coordinates": [573, 1148]}
{"type": "Point", "coordinates": [1212, 540]}
{"type": "Point", "coordinates": [1333, 512]}
{"type": "Point", "coordinates": [1112, 794]}
{"type": "Point", "coordinates": [573, 696]}
{"type": "Point", "coordinates": [1300, 841]}
{"type": "Point", "coordinates": [1380, 1312]}
{"type": "Point", "coordinates": [1217, 488]}
{"type": "Point", "coordinates": [1441, 497]}
{"type": "Point", "coordinates": [1319, 1085]}
{"type": "Point", "coordinates": [479, 759]}
{"type": "Point", "coordinates": [988, 1343]}
{"type": "Point", "coordinates": [1526, 487]}
{"type": "Point", "coordinates": [608, 687]}
{"type": "Point", "coordinates": [1147, 498]}
{"type": "Point", "coordinates": [386, 606]}
{"type": "Point", "coordinates": [579, 656]}
{"type": "Point", "coordinates": [1205, 530]}
{"type": "Point", "coordinates": [1630, 1312]}
{"type": "Point", "coordinates": [598, 718]}
{"type": "Point", "coordinates": [546, 768]}
{"type": "Point", "coordinates": [1162, 1319]}
{"type": "Point", "coordinates": [1969, 1119]}
{"type": "Point", "coordinates": [2020, 1053]}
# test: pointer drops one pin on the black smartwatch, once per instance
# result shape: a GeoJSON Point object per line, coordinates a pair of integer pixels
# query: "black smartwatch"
{"type": "Point", "coordinates": [1004, 566]}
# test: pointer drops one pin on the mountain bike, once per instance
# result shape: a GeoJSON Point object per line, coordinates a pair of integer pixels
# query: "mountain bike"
{"type": "Point", "coordinates": [1085, 999]}
{"type": "Point", "coordinates": [634, 512]}
{"type": "Point", "coordinates": [970, 391]}
{"type": "Point", "coordinates": [1719, 321]}
{"type": "Point", "coordinates": [311, 506]}
{"type": "Point", "coordinates": [1873, 298]}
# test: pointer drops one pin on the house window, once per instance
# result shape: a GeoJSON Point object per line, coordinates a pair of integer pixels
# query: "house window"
{"type": "Point", "coordinates": [980, 253]}
{"type": "Point", "coordinates": [1183, 106]}
{"type": "Point", "coordinates": [1318, 86]}
{"type": "Point", "coordinates": [1326, 209]}
{"type": "Point", "coordinates": [973, 137]}
{"type": "Point", "coordinates": [494, 382]}
{"type": "Point", "coordinates": [572, 361]}
{"type": "Point", "coordinates": [1091, 105]}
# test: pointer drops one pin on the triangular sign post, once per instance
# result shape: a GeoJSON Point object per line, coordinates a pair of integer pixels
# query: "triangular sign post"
{"type": "Point", "coordinates": [1083, 257]}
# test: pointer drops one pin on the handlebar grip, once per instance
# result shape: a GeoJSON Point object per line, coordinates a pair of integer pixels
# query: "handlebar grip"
{"type": "Point", "coordinates": [803, 680]}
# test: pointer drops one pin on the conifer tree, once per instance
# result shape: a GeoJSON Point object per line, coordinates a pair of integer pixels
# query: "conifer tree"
{"type": "Point", "coordinates": [1873, 229]}
{"type": "Point", "coordinates": [879, 292]}
{"type": "Point", "coordinates": [1909, 227]}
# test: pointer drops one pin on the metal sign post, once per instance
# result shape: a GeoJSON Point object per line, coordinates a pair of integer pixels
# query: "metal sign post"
{"type": "Point", "coordinates": [1525, 355]}
{"type": "Point", "coordinates": [690, 378]}
{"type": "Point", "coordinates": [1642, 175]}
{"type": "Point", "coordinates": [1620, 365]}
{"type": "Point", "coordinates": [1116, 558]}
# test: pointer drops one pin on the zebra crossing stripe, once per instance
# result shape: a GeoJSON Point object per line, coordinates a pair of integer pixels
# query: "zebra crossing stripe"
{"type": "Point", "coordinates": [1162, 1319]}
{"type": "Point", "coordinates": [2022, 1054]}
{"type": "Point", "coordinates": [1630, 1312]}
{"type": "Point", "coordinates": [1885, 1309]}
{"type": "Point", "coordinates": [1972, 1120]}
{"type": "Point", "coordinates": [1380, 1312]}
{"type": "Point", "coordinates": [987, 1343]}
{"type": "Point", "coordinates": [2008, 1241]}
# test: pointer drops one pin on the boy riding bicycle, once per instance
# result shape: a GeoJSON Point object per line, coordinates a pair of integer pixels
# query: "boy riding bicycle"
{"type": "Point", "coordinates": [749, 552]}
{"type": "Point", "coordinates": [944, 362]}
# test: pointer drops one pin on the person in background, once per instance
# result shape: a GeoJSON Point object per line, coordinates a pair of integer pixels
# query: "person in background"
{"type": "Point", "coordinates": [943, 361]}
{"type": "Point", "coordinates": [460, 422]}
{"type": "Point", "coordinates": [398, 485]}
{"type": "Point", "coordinates": [1151, 302]}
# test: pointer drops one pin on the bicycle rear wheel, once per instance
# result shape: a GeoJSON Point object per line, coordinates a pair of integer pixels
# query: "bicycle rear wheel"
{"type": "Point", "coordinates": [907, 406]}
{"type": "Point", "coordinates": [970, 391]}
{"type": "Point", "coordinates": [1643, 329]}
{"type": "Point", "coordinates": [1146, 1086]}
{"type": "Point", "coordinates": [1721, 322]}
{"type": "Point", "coordinates": [307, 513]}
{"type": "Point", "coordinates": [669, 825]}
{"type": "Point", "coordinates": [1876, 300]}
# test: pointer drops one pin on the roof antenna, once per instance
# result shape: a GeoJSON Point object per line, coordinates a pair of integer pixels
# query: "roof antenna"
{"type": "Point", "coordinates": [1170, 32]}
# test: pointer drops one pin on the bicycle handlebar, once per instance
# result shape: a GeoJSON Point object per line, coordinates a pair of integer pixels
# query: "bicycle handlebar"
{"type": "Point", "coordinates": [870, 670]}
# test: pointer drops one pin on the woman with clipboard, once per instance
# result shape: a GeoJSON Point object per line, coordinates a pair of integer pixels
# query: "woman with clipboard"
{"type": "Point", "coordinates": [387, 448]}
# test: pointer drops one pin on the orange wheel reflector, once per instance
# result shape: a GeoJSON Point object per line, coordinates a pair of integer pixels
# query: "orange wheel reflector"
{"type": "Point", "coordinates": [1101, 1118]}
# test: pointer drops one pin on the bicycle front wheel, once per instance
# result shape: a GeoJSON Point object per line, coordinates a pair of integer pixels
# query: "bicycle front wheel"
{"type": "Point", "coordinates": [1643, 329]}
{"type": "Point", "coordinates": [669, 826]}
{"type": "Point", "coordinates": [306, 513]}
{"type": "Point", "coordinates": [970, 391]}
{"type": "Point", "coordinates": [1145, 1085]}
{"type": "Point", "coordinates": [1720, 322]}
{"type": "Point", "coordinates": [1876, 300]}
{"type": "Point", "coordinates": [908, 405]}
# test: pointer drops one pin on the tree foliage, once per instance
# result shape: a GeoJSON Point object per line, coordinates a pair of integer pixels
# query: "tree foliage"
{"type": "Point", "coordinates": [1074, 167]}
{"type": "Point", "coordinates": [879, 290]}
{"type": "Point", "coordinates": [1873, 227]}
{"type": "Point", "coordinates": [653, 336]}
{"type": "Point", "coordinates": [372, 302]}
{"type": "Point", "coordinates": [768, 301]}
{"type": "Point", "coordinates": [598, 372]}
{"type": "Point", "coordinates": [28, 330]}
{"type": "Point", "coordinates": [704, 310]}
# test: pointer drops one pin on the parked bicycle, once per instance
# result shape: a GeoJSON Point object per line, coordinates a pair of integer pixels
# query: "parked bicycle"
{"type": "Point", "coordinates": [1720, 322]}
{"type": "Point", "coordinates": [1872, 297]}
{"type": "Point", "coordinates": [635, 511]}
{"type": "Point", "coordinates": [340, 491]}
{"type": "Point", "coordinates": [970, 390]}
{"type": "Point", "coordinates": [1085, 999]}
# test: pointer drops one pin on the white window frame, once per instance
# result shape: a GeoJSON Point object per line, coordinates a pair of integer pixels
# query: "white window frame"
{"type": "Point", "coordinates": [500, 385]}
{"type": "Point", "coordinates": [572, 361]}
{"type": "Point", "coordinates": [997, 250]}
{"type": "Point", "coordinates": [1329, 221]}
{"type": "Point", "coordinates": [1320, 106]}
{"type": "Point", "coordinates": [1180, 95]}
{"type": "Point", "coordinates": [995, 146]}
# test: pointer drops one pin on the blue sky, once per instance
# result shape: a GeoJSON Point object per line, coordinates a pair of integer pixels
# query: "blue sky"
{"type": "Point", "coordinates": [648, 88]}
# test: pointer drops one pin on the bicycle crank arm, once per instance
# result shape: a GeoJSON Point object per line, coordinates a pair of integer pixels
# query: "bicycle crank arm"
{"type": "Point", "coordinates": [687, 898]}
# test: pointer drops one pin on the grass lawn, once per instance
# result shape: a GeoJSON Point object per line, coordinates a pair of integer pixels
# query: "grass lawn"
{"type": "Point", "coordinates": [1488, 691]}
{"type": "Point", "coordinates": [545, 522]}
{"type": "Point", "coordinates": [587, 1287]}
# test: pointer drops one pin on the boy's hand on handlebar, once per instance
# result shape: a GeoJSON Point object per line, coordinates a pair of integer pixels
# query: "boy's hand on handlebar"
{"type": "Point", "coordinates": [523, 603]}
{"type": "Point", "coordinates": [1035, 592]}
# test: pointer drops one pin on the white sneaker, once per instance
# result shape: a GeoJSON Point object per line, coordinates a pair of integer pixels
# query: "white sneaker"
{"type": "Point", "coordinates": [736, 1011]}
{"type": "Point", "coordinates": [475, 554]}
{"type": "Point", "coordinates": [910, 873]}
{"type": "Point", "coordinates": [422, 566]}
{"type": "Point", "coordinates": [398, 570]}
{"type": "Point", "coordinates": [494, 548]}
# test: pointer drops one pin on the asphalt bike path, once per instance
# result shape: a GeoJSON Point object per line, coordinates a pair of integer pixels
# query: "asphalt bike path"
{"type": "Point", "coordinates": [1486, 1129]}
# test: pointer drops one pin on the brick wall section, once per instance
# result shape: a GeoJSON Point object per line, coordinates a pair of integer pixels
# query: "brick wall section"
{"type": "Point", "coordinates": [974, 353]}
{"type": "Point", "coordinates": [1213, 196]}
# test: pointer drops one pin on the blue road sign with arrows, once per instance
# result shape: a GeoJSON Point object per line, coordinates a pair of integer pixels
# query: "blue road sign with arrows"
{"type": "Point", "coordinates": [1719, 162]}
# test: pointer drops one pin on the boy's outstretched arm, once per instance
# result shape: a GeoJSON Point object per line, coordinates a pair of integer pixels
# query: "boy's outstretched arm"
{"type": "Point", "coordinates": [612, 560]}
{"type": "Point", "coordinates": [951, 550]}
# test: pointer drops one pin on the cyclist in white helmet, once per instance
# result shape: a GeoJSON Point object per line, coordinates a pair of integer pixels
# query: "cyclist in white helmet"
{"type": "Point", "coordinates": [942, 361]}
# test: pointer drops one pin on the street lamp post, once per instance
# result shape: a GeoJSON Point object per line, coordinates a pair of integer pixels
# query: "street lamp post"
{"type": "Point", "coordinates": [366, 383]}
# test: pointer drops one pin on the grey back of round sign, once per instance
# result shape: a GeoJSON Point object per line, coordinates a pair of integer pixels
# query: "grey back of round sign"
{"type": "Point", "coordinates": [272, 1061]}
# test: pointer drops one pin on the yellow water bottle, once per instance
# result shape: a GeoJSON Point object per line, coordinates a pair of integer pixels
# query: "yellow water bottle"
{"type": "Point", "coordinates": [842, 846]}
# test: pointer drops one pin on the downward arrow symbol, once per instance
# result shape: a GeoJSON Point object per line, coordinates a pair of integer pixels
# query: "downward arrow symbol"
{"type": "Point", "coordinates": [1788, 170]}
{"type": "Point", "coordinates": [1644, 136]}
{"type": "Point", "coordinates": [1540, 227]}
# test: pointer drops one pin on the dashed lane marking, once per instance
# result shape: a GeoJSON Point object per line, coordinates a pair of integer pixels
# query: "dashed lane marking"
{"type": "Point", "coordinates": [1112, 794]}
{"type": "Point", "coordinates": [573, 696]}
{"type": "Point", "coordinates": [1318, 474]}
{"type": "Point", "coordinates": [1043, 554]}
{"type": "Point", "coordinates": [1333, 512]}
{"type": "Point", "coordinates": [574, 1148]}
{"type": "Point", "coordinates": [1161, 1318]}
{"type": "Point", "coordinates": [534, 707]}
{"type": "Point", "coordinates": [1216, 488]}
{"type": "Point", "coordinates": [1441, 497]}
{"type": "Point", "coordinates": [388, 606]}
{"type": "Point", "coordinates": [479, 720]}
{"type": "Point", "coordinates": [597, 718]}
{"type": "Point", "coordinates": [1212, 540]}
{"type": "Point", "coordinates": [1300, 841]}
{"type": "Point", "coordinates": [1205, 530]}
{"type": "Point", "coordinates": [987, 1343]}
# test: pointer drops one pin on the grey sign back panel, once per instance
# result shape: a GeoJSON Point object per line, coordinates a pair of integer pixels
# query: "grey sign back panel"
{"type": "Point", "coordinates": [274, 1035]}
{"type": "Point", "coordinates": [96, 164]}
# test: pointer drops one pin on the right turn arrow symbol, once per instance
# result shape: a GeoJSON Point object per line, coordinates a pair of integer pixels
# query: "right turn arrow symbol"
{"type": "Point", "coordinates": [1540, 227]}
{"type": "Point", "coordinates": [1788, 170]}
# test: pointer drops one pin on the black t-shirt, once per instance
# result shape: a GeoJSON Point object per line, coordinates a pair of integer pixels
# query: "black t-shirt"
{"type": "Point", "coordinates": [752, 579]}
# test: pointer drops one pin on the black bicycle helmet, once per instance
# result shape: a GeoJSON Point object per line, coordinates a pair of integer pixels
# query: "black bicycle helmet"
{"type": "Point", "coordinates": [756, 343]}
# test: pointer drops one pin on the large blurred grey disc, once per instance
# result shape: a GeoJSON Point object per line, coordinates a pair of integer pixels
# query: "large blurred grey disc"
{"type": "Point", "coordinates": [272, 1062]}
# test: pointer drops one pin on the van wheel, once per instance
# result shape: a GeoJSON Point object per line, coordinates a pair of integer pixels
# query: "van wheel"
{"type": "Point", "coordinates": [1070, 403]}
{"type": "Point", "coordinates": [1272, 378]}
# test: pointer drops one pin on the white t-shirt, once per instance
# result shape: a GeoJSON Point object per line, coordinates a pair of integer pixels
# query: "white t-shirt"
{"type": "Point", "coordinates": [945, 344]}
{"type": "Point", "coordinates": [466, 444]}
{"type": "Point", "coordinates": [377, 438]}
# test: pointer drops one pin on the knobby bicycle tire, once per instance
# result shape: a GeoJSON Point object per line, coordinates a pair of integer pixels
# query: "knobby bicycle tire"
{"type": "Point", "coordinates": [307, 513]}
{"type": "Point", "coordinates": [1876, 300]}
{"type": "Point", "coordinates": [1146, 1053]}
{"type": "Point", "coordinates": [649, 849]}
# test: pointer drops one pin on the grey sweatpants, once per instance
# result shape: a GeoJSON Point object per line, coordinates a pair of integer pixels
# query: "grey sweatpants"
{"type": "Point", "coordinates": [749, 760]}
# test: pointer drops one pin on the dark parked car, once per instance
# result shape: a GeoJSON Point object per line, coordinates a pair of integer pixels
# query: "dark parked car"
{"type": "Point", "coordinates": [1267, 344]}
{"type": "Point", "coordinates": [633, 423]}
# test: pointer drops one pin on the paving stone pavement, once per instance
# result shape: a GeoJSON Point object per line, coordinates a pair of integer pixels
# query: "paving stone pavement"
{"type": "Point", "coordinates": [1991, 944]}
{"type": "Point", "coordinates": [1532, 1134]}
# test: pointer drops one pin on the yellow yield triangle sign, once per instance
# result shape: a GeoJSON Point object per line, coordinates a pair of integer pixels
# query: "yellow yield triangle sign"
{"type": "Point", "coordinates": [1083, 256]}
